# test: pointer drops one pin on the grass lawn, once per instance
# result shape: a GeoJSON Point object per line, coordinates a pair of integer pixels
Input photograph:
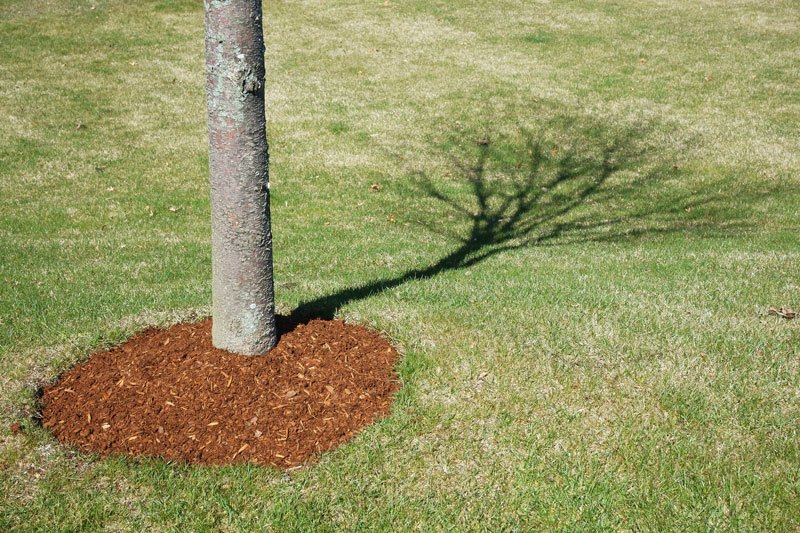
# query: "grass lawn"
{"type": "Point", "coordinates": [587, 210]}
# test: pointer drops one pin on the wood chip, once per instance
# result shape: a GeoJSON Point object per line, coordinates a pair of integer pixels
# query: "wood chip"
{"type": "Point", "coordinates": [243, 448]}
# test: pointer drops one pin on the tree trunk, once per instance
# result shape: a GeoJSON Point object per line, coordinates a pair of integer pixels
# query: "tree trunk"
{"type": "Point", "coordinates": [242, 285]}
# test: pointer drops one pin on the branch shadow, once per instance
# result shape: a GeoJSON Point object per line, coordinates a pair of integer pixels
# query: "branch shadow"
{"type": "Point", "coordinates": [507, 195]}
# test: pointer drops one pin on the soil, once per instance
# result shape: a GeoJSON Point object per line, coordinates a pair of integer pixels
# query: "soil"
{"type": "Point", "coordinates": [169, 393]}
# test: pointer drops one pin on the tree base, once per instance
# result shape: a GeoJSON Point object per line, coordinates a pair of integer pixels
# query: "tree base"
{"type": "Point", "coordinates": [171, 394]}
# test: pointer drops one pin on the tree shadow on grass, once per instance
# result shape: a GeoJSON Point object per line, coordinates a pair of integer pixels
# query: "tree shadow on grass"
{"type": "Point", "coordinates": [504, 195]}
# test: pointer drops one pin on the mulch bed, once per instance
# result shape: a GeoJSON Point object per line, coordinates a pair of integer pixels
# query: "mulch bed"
{"type": "Point", "coordinates": [169, 393]}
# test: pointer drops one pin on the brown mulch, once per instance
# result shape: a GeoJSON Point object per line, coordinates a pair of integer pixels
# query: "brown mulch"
{"type": "Point", "coordinates": [169, 393]}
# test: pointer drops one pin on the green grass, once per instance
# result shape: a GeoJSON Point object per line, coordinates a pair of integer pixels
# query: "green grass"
{"type": "Point", "coordinates": [580, 301]}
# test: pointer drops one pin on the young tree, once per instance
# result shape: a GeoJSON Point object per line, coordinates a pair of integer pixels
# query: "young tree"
{"type": "Point", "coordinates": [242, 285]}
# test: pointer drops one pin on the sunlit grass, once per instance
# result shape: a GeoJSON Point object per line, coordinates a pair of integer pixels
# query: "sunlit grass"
{"type": "Point", "coordinates": [587, 209]}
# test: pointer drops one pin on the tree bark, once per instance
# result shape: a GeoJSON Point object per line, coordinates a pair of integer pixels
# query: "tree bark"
{"type": "Point", "coordinates": [242, 284]}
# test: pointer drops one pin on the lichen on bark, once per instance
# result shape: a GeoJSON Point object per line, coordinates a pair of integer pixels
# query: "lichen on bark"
{"type": "Point", "coordinates": [242, 284]}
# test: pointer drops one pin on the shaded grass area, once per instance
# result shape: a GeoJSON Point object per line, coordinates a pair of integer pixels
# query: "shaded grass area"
{"type": "Point", "coordinates": [586, 210]}
{"type": "Point", "coordinates": [509, 196]}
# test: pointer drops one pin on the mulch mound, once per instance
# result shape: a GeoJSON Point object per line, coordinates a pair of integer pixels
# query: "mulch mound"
{"type": "Point", "coordinates": [169, 393]}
